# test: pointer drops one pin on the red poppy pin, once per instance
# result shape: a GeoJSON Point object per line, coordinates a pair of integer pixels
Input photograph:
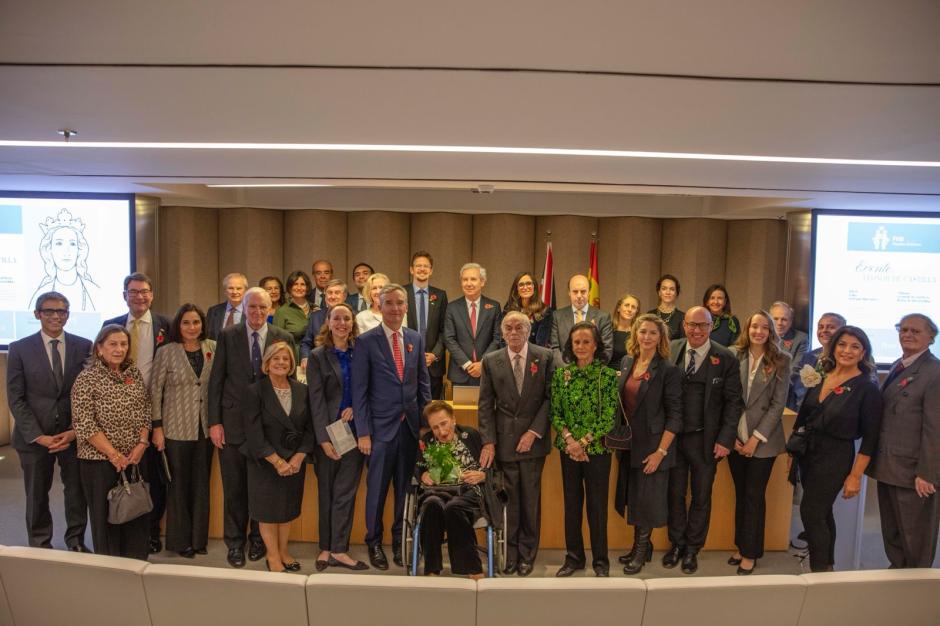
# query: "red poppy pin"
{"type": "Point", "coordinates": [409, 347]}
{"type": "Point", "coordinates": [905, 382]}
{"type": "Point", "coordinates": [840, 390]}
{"type": "Point", "coordinates": [487, 306]}
{"type": "Point", "coordinates": [534, 368]}
{"type": "Point", "coordinates": [421, 445]}
{"type": "Point", "coordinates": [208, 356]}
{"type": "Point", "coordinates": [715, 360]}
{"type": "Point", "coordinates": [433, 297]}
{"type": "Point", "coordinates": [161, 336]}
{"type": "Point", "coordinates": [646, 376]}
{"type": "Point", "coordinates": [787, 343]}
{"type": "Point", "coordinates": [128, 381]}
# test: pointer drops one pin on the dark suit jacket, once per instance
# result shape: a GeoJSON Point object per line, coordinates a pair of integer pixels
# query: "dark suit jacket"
{"type": "Point", "coordinates": [723, 395]}
{"type": "Point", "coordinates": [231, 374]}
{"type": "Point", "coordinates": [658, 409]}
{"type": "Point", "coordinates": [315, 322]}
{"type": "Point", "coordinates": [325, 387]}
{"type": "Point", "coordinates": [160, 326]}
{"type": "Point", "coordinates": [266, 423]}
{"type": "Point", "coordinates": [215, 318]}
{"type": "Point", "coordinates": [354, 300]}
{"type": "Point", "coordinates": [794, 343]}
{"type": "Point", "coordinates": [504, 415]}
{"type": "Point", "coordinates": [434, 337]}
{"type": "Point", "coordinates": [562, 322]}
{"type": "Point", "coordinates": [460, 342]}
{"type": "Point", "coordinates": [38, 407]}
{"type": "Point", "coordinates": [909, 441]}
{"type": "Point", "coordinates": [379, 396]}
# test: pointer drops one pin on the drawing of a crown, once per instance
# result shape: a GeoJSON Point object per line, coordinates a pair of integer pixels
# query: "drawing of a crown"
{"type": "Point", "coordinates": [64, 218]}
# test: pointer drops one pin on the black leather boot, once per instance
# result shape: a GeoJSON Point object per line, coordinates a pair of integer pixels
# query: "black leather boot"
{"type": "Point", "coordinates": [642, 550]}
{"type": "Point", "coordinates": [625, 558]}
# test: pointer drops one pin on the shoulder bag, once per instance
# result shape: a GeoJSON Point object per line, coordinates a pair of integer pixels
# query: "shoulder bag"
{"type": "Point", "coordinates": [129, 499]}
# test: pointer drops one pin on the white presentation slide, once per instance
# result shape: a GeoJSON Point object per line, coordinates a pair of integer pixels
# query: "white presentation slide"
{"type": "Point", "coordinates": [873, 269]}
{"type": "Point", "coordinates": [79, 247]}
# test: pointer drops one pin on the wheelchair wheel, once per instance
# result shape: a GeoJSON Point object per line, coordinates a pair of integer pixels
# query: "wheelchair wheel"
{"type": "Point", "coordinates": [406, 532]}
{"type": "Point", "coordinates": [501, 546]}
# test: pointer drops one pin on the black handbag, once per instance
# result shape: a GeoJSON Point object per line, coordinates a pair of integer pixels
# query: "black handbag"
{"type": "Point", "coordinates": [621, 434]}
{"type": "Point", "coordinates": [129, 499]}
{"type": "Point", "coordinates": [798, 443]}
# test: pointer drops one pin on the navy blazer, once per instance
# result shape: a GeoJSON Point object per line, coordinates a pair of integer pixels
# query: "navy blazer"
{"type": "Point", "coordinates": [160, 326]}
{"type": "Point", "coordinates": [434, 334]}
{"type": "Point", "coordinates": [38, 407]}
{"type": "Point", "coordinates": [379, 396]}
{"type": "Point", "coordinates": [315, 322]}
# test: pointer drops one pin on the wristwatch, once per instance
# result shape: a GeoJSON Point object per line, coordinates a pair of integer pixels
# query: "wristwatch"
{"type": "Point", "coordinates": [662, 452]}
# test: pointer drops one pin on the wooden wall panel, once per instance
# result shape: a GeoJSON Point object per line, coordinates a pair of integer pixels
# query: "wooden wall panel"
{"type": "Point", "coordinates": [251, 242]}
{"type": "Point", "coordinates": [756, 264]}
{"type": "Point", "coordinates": [311, 234]}
{"type": "Point", "coordinates": [629, 251]}
{"type": "Point", "coordinates": [449, 239]}
{"type": "Point", "coordinates": [382, 239]}
{"type": "Point", "coordinates": [189, 258]}
{"type": "Point", "coordinates": [693, 250]}
{"type": "Point", "coordinates": [571, 244]}
{"type": "Point", "coordinates": [504, 244]}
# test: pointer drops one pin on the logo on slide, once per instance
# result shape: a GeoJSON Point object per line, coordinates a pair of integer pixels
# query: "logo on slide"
{"type": "Point", "coordinates": [881, 238]}
{"type": "Point", "coordinates": [893, 237]}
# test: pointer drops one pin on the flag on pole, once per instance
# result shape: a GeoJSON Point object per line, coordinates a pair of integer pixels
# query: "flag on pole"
{"type": "Point", "coordinates": [594, 293]}
{"type": "Point", "coordinates": [548, 278]}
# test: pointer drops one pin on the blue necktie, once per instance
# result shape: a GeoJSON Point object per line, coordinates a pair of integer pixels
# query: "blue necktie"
{"type": "Point", "coordinates": [422, 312]}
{"type": "Point", "coordinates": [255, 355]}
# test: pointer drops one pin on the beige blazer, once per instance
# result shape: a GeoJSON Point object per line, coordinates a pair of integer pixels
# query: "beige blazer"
{"type": "Point", "coordinates": [180, 399]}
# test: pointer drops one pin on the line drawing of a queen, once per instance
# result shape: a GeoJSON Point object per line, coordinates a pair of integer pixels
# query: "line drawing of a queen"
{"type": "Point", "coordinates": [64, 251]}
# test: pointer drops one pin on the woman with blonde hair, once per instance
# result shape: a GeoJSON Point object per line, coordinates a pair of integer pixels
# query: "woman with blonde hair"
{"type": "Point", "coordinates": [622, 316]}
{"type": "Point", "coordinates": [371, 317]}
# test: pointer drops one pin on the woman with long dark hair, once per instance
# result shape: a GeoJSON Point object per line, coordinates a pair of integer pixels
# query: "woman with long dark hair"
{"type": "Point", "coordinates": [524, 297]}
{"type": "Point", "coordinates": [725, 326]}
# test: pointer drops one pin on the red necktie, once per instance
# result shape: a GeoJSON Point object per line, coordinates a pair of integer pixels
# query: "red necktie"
{"type": "Point", "coordinates": [473, 327]}
{"type": "Point", "coordinates": [396, 354]}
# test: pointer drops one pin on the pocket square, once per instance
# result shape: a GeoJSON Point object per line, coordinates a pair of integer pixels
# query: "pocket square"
{"type": "Point", "coordinates": [715, 381]}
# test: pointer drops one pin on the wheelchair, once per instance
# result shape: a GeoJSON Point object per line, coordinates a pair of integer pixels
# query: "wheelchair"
{"type": "Point", "coordinates": [492, 520]}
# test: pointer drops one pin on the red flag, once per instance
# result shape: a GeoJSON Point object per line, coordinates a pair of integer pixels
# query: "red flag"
{"type": "Point", "coordinates": [594, 292]}
{"type": "Point", "coordinates": [548, 278]}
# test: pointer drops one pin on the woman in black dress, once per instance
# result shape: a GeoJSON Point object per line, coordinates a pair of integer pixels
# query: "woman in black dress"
{"type": "Point", "coordinates": [651, 402]}
{"type": "Point", "coordinates": [524, 297]}
{"type": "Point", "coordinates": [278, 438]}
{"type": "Point", "coordinates": [725, 326]}
{"type": "Point", "coordinates": [622, 317]}
{"type": "Point", "coordinates": [844, 407]}
{"type": "Point", "coordinates": [667, 290]}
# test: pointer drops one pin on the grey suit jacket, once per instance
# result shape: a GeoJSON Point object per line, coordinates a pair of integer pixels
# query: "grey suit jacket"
{"type": "Point", "coordinates": [764, 404]}
{"type": "Point", "coordinates": [179, 398]}
{"type": "Point", "coordinates": [795, 343]}
{"type": "Point", "coordinates": [909, 442]}
{"type": "Point", "coordinates": [461, 343]}
{"type": "Point", "coordinates": [504, 415]}
{"type": "Point", "coordinates": [38, 407]}
{"type": "Point", "coordinates": [563, 320]}
{"type": "Point", "coordinates": [232, 374]}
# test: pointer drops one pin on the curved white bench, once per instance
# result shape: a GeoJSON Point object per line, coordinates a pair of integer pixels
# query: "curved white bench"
{"type": "Point", "coordinates": [6, 619]}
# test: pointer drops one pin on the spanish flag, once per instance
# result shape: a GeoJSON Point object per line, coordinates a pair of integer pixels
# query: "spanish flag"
{"type": "Point", "coordinates": [594, 294]}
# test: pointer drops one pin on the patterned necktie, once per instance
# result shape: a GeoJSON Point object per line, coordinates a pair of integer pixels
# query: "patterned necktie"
{"type": "Point", "coordinates": [57, 364]}
{"type": "Point", "coordinates": [396, 354]}
{"type": "Point", "coordinates": [256, 355]}
{"type": "Point", "coordinates": [517, 372]}
{"type": "Point", "coordinates": [422, 312]}
{"type": "Point", "coordinates": [578, 316]}
{"type": "Point", "coordinates": [135, 324]}
{"type": "Point", "coordinates": [230, 318]}
{"type": "Point", "coordinates": [691, 368]}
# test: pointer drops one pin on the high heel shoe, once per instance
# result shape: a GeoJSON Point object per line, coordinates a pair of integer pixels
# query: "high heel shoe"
{"type": "Point", "coordinates": [625, 558]}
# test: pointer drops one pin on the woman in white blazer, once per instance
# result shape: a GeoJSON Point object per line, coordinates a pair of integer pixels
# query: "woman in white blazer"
{"type": "Point", "coordinates": [179, 386]}
{"type": "Point", "coordinates": [765, 379]}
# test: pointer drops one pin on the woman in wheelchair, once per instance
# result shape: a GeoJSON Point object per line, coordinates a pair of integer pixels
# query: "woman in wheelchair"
{"type": "Point", "coordinates": [450, 509]}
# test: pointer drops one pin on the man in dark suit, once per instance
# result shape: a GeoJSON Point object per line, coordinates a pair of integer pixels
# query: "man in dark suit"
{"type": "Point", "coordinates": [322, 273]}
{"type": "Point", "coordinates": [230, 312]}
{"type": "Point", "coordinates": [471, 327]}
{"type": "Point", "coordinates": [334, 294]}
{"type": "Point", "coordinates": [427, 307]}
{"type": "Point", "coordinates": [237, 364]}
{"type": "Point", "coordinates": [711, 407]}
{"type": "Point", "coordinates": [580, 311]}
{"type": "Point", "coordinates": [907, 463]}
{"type": "Point", "coordinates": [514, 422]}
{"type": "Point", "coordinates": [828, 324]}
{"type": "Point", "coordinates": [361, 272]}
{"type": "Point", "coordinates": [40, 371]}
{"type": "Point", "coordinates": [389, 390]}
{"type": "Point", "coordinates": [148, 331]}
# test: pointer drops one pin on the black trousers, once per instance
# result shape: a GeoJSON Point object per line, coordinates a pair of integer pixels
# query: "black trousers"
{"type": "Point", "coordinates": [822, 473]}
{"type": "Point", "coordinates": [337, 482]}
{"type": "Point", "coordinates": [38, 470]}
{"type": "Point", "coordinates": [153, 462]}
{"type": "Point", "coordinates": [524, 509]}
{"type": "Point", "coordinates": [233, 465]}
{"type": "Point", "coordinates": [689, 526]}
{"type": "Point", "coordinates": [437, 387]}
{"type": "Point", "coordinates": [130, 539]}
{"type": "Point", "coordinates": [909, 525]}
{"type": "Point", "coordinates": [187, 508]}
{"type": "Point", "coordinates": [454, 514]}
{"type": "Point", "coordinates": [592, 478]}
{"type": "Point", "coordinates": [750, 476]}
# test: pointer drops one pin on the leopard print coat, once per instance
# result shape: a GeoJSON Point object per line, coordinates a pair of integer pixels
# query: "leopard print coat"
{"type": "Point", "coordinates": [114, 403]}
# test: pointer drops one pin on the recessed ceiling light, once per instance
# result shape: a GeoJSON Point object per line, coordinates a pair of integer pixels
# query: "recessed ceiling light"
{"type": "Point", "coordinates": [359, 147]}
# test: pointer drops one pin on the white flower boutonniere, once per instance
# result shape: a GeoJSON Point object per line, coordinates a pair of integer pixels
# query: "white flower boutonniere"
{"type": "Point", "coordinates": [810, 377]}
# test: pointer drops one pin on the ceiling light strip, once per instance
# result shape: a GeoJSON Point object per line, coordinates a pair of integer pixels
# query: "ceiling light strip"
{"type": "Point", "coordinates": [361, 147]}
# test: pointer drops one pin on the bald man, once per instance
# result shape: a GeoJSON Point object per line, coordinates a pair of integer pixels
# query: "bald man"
{"type": "Point", "coordinates": [580, 311]}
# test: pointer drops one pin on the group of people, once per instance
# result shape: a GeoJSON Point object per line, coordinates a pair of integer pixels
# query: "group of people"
{"type": "Point", "coordinates": [285, 374]}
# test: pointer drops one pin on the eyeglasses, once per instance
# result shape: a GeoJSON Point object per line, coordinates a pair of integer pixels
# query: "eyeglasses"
{"type": "Point", "coordinates": [53, 312]}
{"type": "Point", "coordinates": [138, 292]}
{"type": "Point", "coordinates": [698, 325]}
{"type": "Point", "coordinates": [907, 329]}
{"type": "Point", "coordinates": [525, 284]}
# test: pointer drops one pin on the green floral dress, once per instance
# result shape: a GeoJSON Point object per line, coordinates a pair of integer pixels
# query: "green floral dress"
{"type": "Point", "coordinates": [575, 395]}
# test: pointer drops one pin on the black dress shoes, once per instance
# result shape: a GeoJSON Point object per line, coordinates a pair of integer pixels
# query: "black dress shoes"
{"type": "Point", "coordinates": [690, 562]}
{"type": "Point", "coordinates": [511, 568]}
{"type": "Point", "coordinates": [733, 561]}
{"type": "Point", "coordinates": [746, 572]}
{"type": "Point", "coordinates": [256, 550]}
{"type": "Point", "coordinates": [567, 570]}
{"type": "Point", "coordinates": [188, 553]}
{"type": "Point", "coordinates": [358, 566]}
{"type": "Point", "coordinates": [155, 545]}
{"type": "Point", "coordinates": [524, 568]}
{"type": "Point", "coordinates": [377, 557]}
{"type": "Point", "coordinates": [601, 570]}
{"type": "Point", "coordinates": [673, 556]}
{"type": "Point", "coordinates": [79, 547]}
{"type": "Point", "coordinates": [201, 551]}
{"type": "Point", "coordinates": [236, 557]}
{"type": "Point", "coordinates": [396, 554]}
{"type": "Point", "coordinates": [322, 564]}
